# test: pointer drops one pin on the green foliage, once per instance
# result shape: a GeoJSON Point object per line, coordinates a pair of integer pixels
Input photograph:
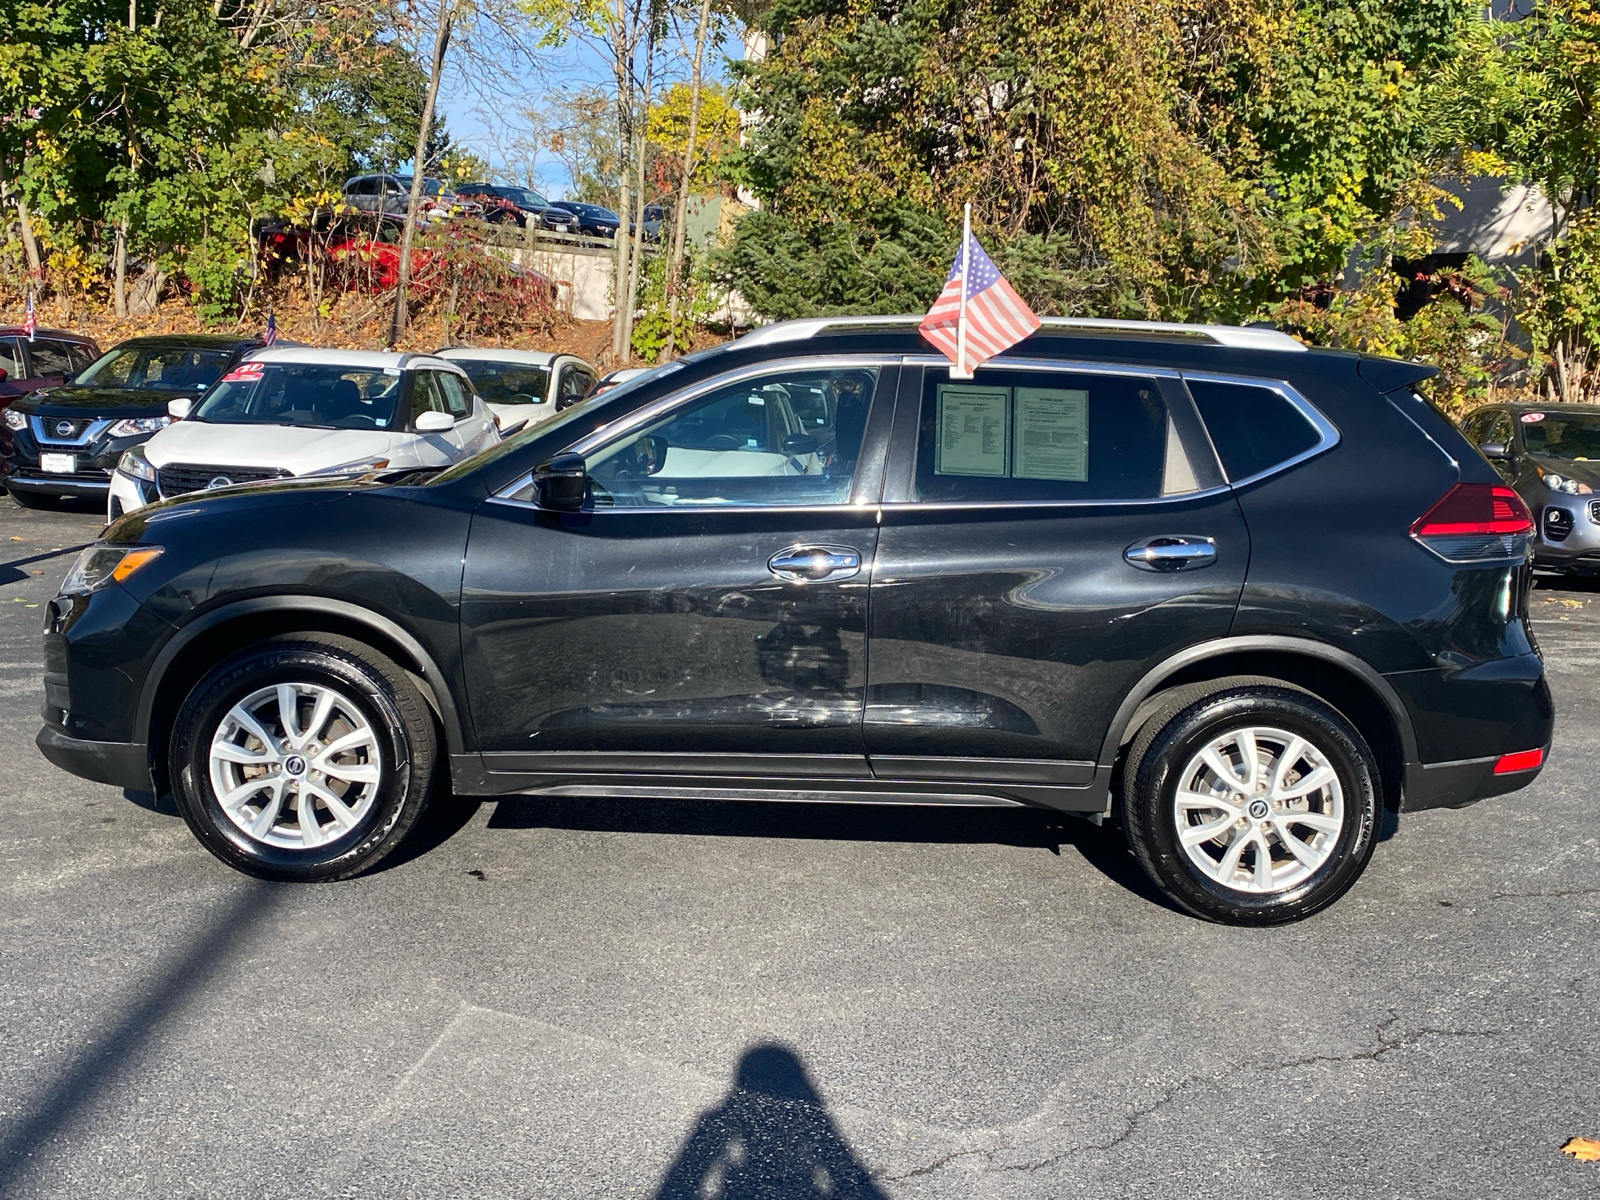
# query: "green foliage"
{"type": "Point", "coordinates": [1456, 332]}
{"type": "Point", "coordinates": [1166, 158]}
{"type": "Point", "coordinates": [1560, 311]}
{"type": "Point", "coordinates": [696, 302]}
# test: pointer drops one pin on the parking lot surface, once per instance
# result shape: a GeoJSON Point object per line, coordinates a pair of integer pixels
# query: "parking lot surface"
{"type": "Point", "coordinates": [577, 998]}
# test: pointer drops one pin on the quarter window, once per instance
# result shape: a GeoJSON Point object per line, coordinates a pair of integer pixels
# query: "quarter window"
{"type": "Point", "coordinates": [743, 445]}
{"type": "Point", "coordinates": [11, 358]}
{"type": "Point", "coordinates": [1253, 428]}
{"type": "Point", "coordinates": [1046, 436]}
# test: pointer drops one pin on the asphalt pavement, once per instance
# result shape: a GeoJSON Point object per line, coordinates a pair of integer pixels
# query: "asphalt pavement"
{"type": "Point", "coordinates": [613, 999]}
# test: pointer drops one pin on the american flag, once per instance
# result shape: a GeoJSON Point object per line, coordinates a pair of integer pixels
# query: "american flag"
{"type": "Point", "coordinates": [269, 335]}
{"type": "Point", "coordinates": [30, 323]}
{"type": "Point", "coordinates": [996, 316]}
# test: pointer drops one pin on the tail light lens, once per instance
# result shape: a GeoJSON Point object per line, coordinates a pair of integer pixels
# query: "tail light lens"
{"type": "Point", "coordinates": [1476, 522]}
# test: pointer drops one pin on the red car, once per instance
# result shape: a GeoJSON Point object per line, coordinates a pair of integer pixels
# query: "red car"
{"type": "Point", "coordinates": [52, 357]}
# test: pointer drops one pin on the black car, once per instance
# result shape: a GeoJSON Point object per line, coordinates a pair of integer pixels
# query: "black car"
{"type": "Point", "coordinates": [1551, 454]}
{"type": "Point", "coordinates": [593, 219]}
{"type": "Point", "coordinates": [1237, 595]}
{"type": "Point", "coordinates": [502, 203]}
{"type": "Point", "coordinates": [66, 441]}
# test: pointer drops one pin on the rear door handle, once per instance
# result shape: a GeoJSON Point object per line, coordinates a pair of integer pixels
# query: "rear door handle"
{"type": "Point", "coordinates": [1172, 554]}
{"type": "Point", "coordinates": [814, 564]}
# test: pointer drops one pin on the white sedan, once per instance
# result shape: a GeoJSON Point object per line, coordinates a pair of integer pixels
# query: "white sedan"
{"type": "Point", "coordinates": [284, 412]}
{"type": "Point", "coordinates": [523, 387]}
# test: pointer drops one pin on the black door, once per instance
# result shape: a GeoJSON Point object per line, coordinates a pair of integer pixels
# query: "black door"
{"type": "Point", "coordinates": [1048, 536]}
{"type": "Point", "coordinates": [710, 600]}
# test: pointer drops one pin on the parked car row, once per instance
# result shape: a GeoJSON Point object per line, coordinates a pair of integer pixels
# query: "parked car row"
{"type": "Point", "coordinates": [495, 203]}
{"type": "Point", "coordinates": [158, 417]}
{"type": "Point", "coordinates": [1240, 596]}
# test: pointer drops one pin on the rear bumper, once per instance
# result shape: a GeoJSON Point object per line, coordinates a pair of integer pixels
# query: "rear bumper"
{"type": "Point", "coordinates": [1458, 784]}
{"type": "Point", "coordinates": [121, 764]}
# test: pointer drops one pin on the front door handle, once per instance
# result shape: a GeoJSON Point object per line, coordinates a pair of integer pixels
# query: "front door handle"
{"type": "Point", "coordinates": [814, 564]}
{"type": "Point", "coordinates": [1172, 554]}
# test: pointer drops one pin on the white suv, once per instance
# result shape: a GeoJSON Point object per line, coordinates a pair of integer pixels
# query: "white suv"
{"type": "Point", "coordinates": [303, 411]}
{"type": "Point", "coordinates": [523, 387]}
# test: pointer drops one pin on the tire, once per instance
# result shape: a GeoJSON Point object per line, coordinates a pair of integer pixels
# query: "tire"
{"type": "Point", "coordinates": [35, 499]}
{"type": "Point", "coordinates": [380, 779]}
{"type": "Point", "coordinates": [1247, 872]}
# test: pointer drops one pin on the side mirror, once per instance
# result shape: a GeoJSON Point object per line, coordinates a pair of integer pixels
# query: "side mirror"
{"type": "Point", "coordinates": [650, 453]}
{"type": "Point", "coordinates": [563, 482]}
{"type": "Point", "coordinates": [179, 409]}
{"type": "Point", "coordinates": [798, 445]}
{"type": "Point", "coordinates": [434, 422]}
{"type": "Point", "coordinates": [1493, 450]}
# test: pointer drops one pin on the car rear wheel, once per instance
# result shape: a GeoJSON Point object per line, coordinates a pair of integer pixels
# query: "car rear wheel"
{"type": "Point", "coordinates": [35, 499]}
{"type": "Point", "coordinates": [304, 757]}
{"type": "Point", "coordinates": [1250, 801]}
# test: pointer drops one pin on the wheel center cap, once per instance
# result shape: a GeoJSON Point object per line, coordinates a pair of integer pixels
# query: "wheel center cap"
{"type": "Point", "coordinates": [1259, 810]}
{"type": "Point", "coordinates": [294, 765]}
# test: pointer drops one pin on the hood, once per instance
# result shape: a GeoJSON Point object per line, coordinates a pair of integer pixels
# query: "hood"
{"type": "Point", "coordinates": [1583, 472]}
{"type": "Point", "coordinates": [283, 447]}
{"type": "Point", "coordinates": [74, 401]}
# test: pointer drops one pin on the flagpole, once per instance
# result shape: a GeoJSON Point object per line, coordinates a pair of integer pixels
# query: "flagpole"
{"type": "Point", "coordinates": [961, 371]}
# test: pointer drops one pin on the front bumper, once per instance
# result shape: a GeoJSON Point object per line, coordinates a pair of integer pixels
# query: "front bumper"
{"type": "Point", "coordinates": [131, 494]}
{"type": "Point", "coordinates": [82, 484]}
{"type": "Point", "coordinates": [121, 764]}
{"type": "Point", "coordinates": [1568, 531]}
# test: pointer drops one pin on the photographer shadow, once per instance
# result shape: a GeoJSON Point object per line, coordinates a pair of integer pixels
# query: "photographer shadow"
{"type": "Point", "coordinates": [769, 1139]}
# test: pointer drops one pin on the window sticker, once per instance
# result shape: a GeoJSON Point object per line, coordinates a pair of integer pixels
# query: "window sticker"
{"type": "Point", "coordinates": [1532, 418]}
{"type": "Point", "coordinates": [249, 372]}
{"type": "Point", "coordinates": [1052, 434]}
{"type": "Point", "coordinates": [974, 431]}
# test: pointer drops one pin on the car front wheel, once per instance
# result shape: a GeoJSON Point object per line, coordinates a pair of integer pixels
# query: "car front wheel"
{"type": "Point", "coordinates": [304, 757]}
{"type": "Point", "coordinates": [1250, 801]}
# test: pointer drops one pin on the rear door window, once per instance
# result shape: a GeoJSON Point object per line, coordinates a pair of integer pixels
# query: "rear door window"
{"type": "Point", "coordinates": [50, 357]}
{"type": "Point", "coordinates": [1253, 428]}
{"type": "Point", "coordinates": [11, 359]}
{"type": "Point", "coordinates": [454, 390]}
{"type": "Point", "coordinates": [1046, 436]}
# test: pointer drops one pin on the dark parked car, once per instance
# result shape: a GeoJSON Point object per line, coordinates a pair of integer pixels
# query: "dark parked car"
{"type": "Point", "coordinates": [1551, 454]}
{"type": "Point", "coordinates": [48, 360]}
{"type": "Point", "coordinates": [594, 220]}
{"type": "Point", "coordinates": [391, 195]}
{"type": "Point", "coordinates": [1238, 595]}
{"type": "Point", "coordinates": [501, 203]}
{"type": "Point", "coordinates": [66, 441]}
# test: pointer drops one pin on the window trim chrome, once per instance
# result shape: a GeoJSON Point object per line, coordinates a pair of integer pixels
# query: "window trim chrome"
{"type": "Point", "coordinates": [1328, 435]}
{"type": "Point", "coordinates": [621, 427]}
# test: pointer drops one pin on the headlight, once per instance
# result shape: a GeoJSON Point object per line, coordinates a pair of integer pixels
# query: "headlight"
{"type": "Point", "coordinates": [15, 420]}
{"type": "Point", "coordinates": [134, 426]}
{"type": "Point", "coordinates": [133, 463]}
{"type": "Point", "coordinates": [360, 467]}
{"type": "Point", "coordinates": [1560, 483]}
{"type": "Point", "coordinates": [100, 565]}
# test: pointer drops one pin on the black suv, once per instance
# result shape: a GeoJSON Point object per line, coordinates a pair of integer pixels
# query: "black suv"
{"type": "Point", "coordinates": [66, 441]}
{"type": "Point", "coordinates": [1236, 594]}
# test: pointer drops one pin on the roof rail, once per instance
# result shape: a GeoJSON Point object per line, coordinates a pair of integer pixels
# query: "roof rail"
{"type": "Point", "coordinates": [1239, 337]}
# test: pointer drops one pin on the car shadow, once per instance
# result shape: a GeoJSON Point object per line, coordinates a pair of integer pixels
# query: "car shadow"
{"type": "Point", "coordinates": [1102, 847]}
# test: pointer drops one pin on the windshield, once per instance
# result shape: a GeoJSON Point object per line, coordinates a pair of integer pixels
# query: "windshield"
{"type": "Point", "coordinates": [1575, 438]}
{"type": "Point", "coordinates": [508, 383]}
{"type": "Point", "coordinates": [311, 395]}
{"type": "Point", "coordinates": [524, 197]}
{"type": "Point", "coordinates": [430, 187]}
{"type": "Point", "coordinates": [157, 368]}
{"type": "Point", "coordinates": [578, 412]}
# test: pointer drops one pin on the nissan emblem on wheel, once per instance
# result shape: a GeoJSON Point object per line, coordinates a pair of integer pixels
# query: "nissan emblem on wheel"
{"type": "Point", "coordinates": [1238, 597]}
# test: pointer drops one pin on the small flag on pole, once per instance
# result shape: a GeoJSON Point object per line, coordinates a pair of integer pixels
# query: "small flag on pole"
{"type": "Point", "coordinates": [269, 335]}
{"type": "Point", "coordinates": [978, 314]}
{"type": "Point", "coordinates": [30, 322]}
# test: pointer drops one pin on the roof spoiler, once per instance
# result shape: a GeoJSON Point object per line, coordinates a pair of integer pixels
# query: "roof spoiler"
{"type": "Point", "coordinates": [1392, 374]}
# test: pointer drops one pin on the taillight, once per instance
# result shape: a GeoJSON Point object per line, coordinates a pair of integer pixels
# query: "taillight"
{"type": "Point", "coordinates": [1476, 522]}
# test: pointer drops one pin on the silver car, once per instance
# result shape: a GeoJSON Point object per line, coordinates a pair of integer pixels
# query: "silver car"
{"type": "Point", "coordinates": [1550, 453]}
